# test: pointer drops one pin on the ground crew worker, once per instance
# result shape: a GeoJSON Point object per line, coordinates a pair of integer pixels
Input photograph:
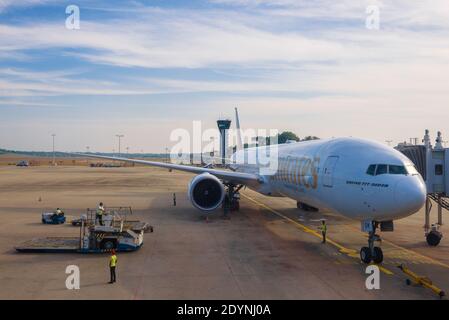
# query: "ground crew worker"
{"type": "Point", "coordinates": [58, 212]}
{"type": "Point", "coordinates": [99, 214]}
{"type": "Point", "coordinates": [174, 199]}
{"type": "Point", "coordinates": [112, 265]}
{"type": "Point", "coordinates": [323, 229]}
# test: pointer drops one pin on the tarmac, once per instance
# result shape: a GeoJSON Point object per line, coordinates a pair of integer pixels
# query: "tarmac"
{"type": "Point", "coordinates": [267, 250]}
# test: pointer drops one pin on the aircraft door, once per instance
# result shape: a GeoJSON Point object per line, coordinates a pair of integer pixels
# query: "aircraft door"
{"type": "Point", "coordinates": [328, 171]}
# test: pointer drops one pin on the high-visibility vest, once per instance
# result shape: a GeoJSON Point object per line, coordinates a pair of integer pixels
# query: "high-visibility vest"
{"type": "Point", "coordinates": [100, 211]}
{"type": "Point", "coordinates": [113, 261]}
{"type": "Point", "coordinates": [323, 228]}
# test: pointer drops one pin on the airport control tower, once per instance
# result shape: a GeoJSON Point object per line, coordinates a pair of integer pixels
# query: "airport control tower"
{"type": "Point", "coordinates": [223, 126]}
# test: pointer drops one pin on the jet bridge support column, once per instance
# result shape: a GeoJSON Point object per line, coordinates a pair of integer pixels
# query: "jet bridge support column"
{"type": "Point", "coordinates": [440, 211]}
{"type": "Point", "coordinates": [427, 215]}
{"type": "Point", "coordinates": [432, 232]}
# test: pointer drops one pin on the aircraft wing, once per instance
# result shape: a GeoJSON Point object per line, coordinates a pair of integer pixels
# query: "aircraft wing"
{"type": "Point", "coordinates": [225, 175]}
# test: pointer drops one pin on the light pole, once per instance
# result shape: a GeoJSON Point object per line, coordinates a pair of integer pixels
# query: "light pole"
{"type": "Point", "coordinates": [53, 137]}
{"type": "Point", "coordinates": [87, 151]}
{"type": "Point", "coordinates": [119, 136]}
{"type": "Point", "coordinates": [127, 150]}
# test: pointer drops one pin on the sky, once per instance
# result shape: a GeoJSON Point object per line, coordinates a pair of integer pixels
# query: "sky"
{"type": "Point", "coordinates": [146, 68]}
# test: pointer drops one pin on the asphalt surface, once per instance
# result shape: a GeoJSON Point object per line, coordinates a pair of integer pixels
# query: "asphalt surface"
{"type": "Point", "coordinates": [267, 250]}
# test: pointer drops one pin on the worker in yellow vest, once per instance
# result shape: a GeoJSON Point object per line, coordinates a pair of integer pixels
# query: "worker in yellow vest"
{"type": "Point", "coordinates": [323, 229]}
{"type": "Point", "coordinates": [112, 265]}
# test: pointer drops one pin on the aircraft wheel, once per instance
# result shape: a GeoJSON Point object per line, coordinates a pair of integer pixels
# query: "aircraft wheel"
{"type": "Point", "coordinates": [433, 238]}
{"type": "Point", "coordinates": [365, 255]}
{"type": "Point", "coordinates": [378, 255]}
{"type": "Point", "coordinates": [108, 245]}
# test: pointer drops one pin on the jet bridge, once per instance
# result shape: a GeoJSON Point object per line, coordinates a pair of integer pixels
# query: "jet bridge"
{"type": "Point", "coordinates": [433, 164]}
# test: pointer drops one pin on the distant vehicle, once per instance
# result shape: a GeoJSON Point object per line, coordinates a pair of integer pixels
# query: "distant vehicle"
{"type": "Point", "coordinates": [105, 165]}
{"type": "Point", "coordinates": [23, 163]}
{"type": "Point", "coordinates": [53, 218]}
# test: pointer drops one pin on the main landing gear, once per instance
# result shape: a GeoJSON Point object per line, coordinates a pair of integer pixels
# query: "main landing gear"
{"type": "Point", "coordinates": [372, 253]}
{"type": "Point", "coordinates": [231, 201]}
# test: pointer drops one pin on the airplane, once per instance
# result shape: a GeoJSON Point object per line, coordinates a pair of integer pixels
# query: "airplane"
{"type": "Point", "coordinates": [357, 178]}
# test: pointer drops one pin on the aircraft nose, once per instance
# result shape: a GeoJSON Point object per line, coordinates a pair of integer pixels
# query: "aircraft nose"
{"type": "Point", "coordinates": [410, 195]}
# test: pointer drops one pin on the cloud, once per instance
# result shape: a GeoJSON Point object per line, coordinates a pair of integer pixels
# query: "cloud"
{"type": "Point", "coordinates": [397, 13]}
{"type": "Point", "coordinates": [7, 4]}
{"type": "Point", "coordinates": [313, 60]}
{"type": "Point", "coordinates": [182, 43]}
{"type": "Point", "coordinates": [181, 38]}
{"type": "Point", "coordinates": [19, 83]}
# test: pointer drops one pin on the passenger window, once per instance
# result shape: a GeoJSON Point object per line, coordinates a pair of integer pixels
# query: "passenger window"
{"type": "Point", "coordinates": [397, 170]}
{"type": "Point", "coordinates": [371, 170]}
{"type": "Point", "coordinates": [381, 169]}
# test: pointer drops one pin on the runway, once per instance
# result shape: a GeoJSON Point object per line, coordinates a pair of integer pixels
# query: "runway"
{"type": "Point", "coordinates": [267, 250]}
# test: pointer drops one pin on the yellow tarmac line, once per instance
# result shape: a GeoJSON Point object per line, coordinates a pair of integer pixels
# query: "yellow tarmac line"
{"type": "Point", "coordinates": [442, 264]}
{"type": "Point", "coordinates": [349, 252]}
{"type": "Point", "coordinates": [385, 270]}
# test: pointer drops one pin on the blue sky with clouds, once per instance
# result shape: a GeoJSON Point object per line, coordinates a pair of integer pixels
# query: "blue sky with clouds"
{"type": "Point", "coordinates": [144, 68]}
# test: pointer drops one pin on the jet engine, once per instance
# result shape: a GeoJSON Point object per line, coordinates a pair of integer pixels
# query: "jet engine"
{"type": "Point", "coordinates": [206, 192]}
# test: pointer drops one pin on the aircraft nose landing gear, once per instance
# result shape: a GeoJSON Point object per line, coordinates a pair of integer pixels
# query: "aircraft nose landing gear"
{"type": "Point", "coordinates": [372, 253]}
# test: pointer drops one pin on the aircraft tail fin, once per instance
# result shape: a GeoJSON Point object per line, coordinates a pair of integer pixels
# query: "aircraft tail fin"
{"type": "Point", "coordinates": [239, 133]}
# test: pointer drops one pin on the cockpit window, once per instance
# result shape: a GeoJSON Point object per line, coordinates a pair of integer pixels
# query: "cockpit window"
{"type": "Point", "coordinates": [381, 169]}
{"type": "Point", "coordinates": [397, 170]}
{"type": "Point", "coordinates": [375, 170]}
{"type": "Point", "coordinates": [371, 170]}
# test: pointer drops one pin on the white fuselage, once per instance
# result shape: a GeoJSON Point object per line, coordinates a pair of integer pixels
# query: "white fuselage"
{"type": "Point", "coordinates": [334, 175]}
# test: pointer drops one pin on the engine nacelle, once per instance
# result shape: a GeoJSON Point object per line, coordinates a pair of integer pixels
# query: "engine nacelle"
{"type": "Point", "coordinates": [206, 192]}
